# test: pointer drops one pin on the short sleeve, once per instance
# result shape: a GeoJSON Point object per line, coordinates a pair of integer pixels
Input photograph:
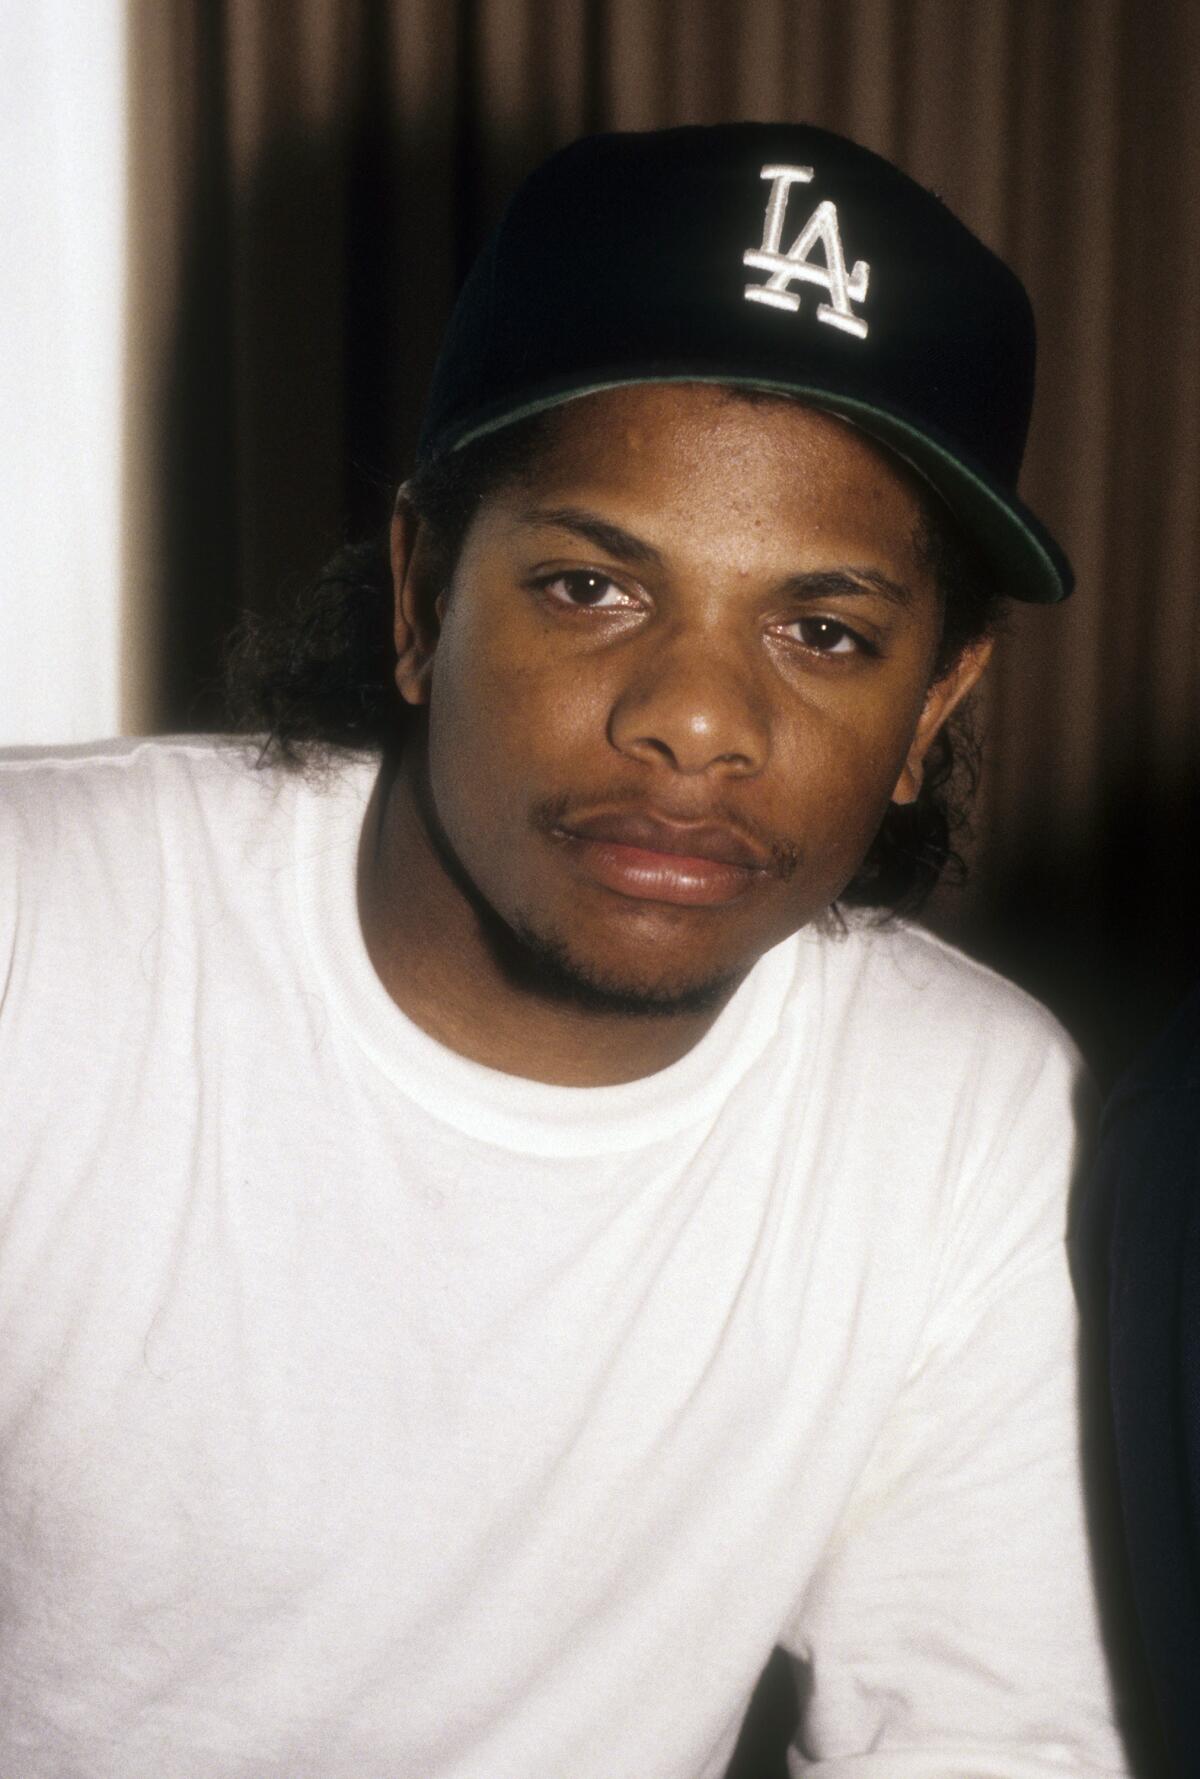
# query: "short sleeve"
{"type": "Point", "coordinates": [952, 1630]}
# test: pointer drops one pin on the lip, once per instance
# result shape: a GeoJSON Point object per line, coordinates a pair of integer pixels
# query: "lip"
{"type": "Point", "coordinates": [647, 857]}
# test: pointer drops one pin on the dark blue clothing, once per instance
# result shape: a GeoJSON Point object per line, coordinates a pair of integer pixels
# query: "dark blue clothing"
{"type": "Point", "coordinates": [1137, 1250]}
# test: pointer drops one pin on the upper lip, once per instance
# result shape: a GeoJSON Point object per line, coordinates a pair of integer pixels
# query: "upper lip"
{"type": "Point", "coordinates": [657, 833]}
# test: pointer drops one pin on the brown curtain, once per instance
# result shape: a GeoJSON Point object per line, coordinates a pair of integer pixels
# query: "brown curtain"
{"type": "Point", "coordinates": [311, 178]}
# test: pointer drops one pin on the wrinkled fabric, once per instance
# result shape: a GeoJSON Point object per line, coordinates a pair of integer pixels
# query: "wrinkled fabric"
{"type": "Point", "coordinates": [366, 1414]}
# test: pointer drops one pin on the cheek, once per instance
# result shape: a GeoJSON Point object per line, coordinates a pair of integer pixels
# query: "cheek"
{"type": "Point", "coordinates": [497, 687]}
{"type": "Point", "coordinates": [836, 780]}
{"type": "Point", "coordinates": [500, 733]}
{"type": "Point", "coordinates": [475, 685]}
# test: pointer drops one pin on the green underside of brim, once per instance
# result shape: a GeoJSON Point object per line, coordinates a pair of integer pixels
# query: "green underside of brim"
{"type": "Point", "coordinates": [1026, 561]}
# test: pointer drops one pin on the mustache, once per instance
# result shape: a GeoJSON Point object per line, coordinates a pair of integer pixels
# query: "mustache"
{"type": "Point", "coordinates": [779, 855]}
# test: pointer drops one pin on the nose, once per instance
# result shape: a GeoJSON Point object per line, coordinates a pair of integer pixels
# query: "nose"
{"type": "Point", "coordinates": [688, 706]}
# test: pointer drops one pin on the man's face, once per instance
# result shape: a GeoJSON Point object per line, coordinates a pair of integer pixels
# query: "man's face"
{"type": "Point", "coordinates": [677, 676]}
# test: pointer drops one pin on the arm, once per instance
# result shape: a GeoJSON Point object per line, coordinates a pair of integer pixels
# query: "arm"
{"type": "Point", "coordinates": [952, 1630]}
{"type": "Point", "coordinates": [1137, 1254]}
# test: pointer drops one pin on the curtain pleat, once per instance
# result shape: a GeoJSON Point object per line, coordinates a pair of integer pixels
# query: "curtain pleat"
{"type": "Point", "coordinates": [311, 180]}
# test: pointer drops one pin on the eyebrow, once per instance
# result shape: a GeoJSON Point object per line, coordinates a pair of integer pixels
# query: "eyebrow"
{"type": "Point", "coordinates": [836, 582]}
{"type": "Point", "coordinates": [820, 583]}
{"type": "Point", "coordinates": [601, 532]}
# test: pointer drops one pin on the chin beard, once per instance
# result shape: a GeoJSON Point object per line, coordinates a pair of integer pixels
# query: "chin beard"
{"type": "Point", "coordinates": [543, 964]}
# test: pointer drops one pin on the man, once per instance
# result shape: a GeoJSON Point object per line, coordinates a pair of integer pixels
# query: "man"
{"type": "Point", "coordinates": [496, 1237]}
{"type": "Point", "coordinates": [1136, 1250]}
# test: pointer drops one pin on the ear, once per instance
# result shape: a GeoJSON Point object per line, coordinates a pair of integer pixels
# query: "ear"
{"type": "Point", "coordinates": [941, 701]}
{"type": "Point", "coordinates": [418, 602]}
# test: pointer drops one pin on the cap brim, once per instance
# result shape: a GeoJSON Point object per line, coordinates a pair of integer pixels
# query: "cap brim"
{"type": "Point", "coordinates": [1028, 563]}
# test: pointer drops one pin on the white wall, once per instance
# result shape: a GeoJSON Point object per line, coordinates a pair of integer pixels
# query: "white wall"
{"type": "Point", "coordinates": [62, 225]}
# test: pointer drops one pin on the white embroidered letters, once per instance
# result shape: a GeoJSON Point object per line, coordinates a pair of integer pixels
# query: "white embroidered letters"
{"type": "Point", "coordinates": [843, 288]}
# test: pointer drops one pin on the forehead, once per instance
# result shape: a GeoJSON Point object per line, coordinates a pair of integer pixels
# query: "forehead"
{"type": "Point", "coordinates": [713, 457]}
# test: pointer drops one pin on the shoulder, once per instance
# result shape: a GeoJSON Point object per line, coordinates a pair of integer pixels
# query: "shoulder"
{"type": "Point", "coordinates": [139, 794]}
{"type": "Point", "coordinates": [129, 861]}
{"type": "Point", "coordinates": [967, 1095]}
{"type": "Point", "coordinates": [112, 831]}
{"type": "Point", "coordinates": [921, 1002]}
{"type": "Point", "coordinates": [111, 778]}
{"type": "Point", "coordinates": [106, 810]}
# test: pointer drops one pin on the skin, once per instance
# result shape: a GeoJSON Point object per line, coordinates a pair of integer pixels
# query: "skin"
{"type": "Point", "coordinates": [662, 706]}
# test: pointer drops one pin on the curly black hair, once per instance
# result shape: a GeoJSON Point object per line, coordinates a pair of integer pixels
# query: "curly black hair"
{"type": "Point", "coordinates": [316, 679]}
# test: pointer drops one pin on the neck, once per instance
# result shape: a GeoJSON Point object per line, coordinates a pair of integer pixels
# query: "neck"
{"type": "Point", "coordinates": [431, 947]}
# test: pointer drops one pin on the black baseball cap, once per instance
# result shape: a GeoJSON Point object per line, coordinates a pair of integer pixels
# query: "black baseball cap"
{"type": "Point", "coordinates": [769, 256]}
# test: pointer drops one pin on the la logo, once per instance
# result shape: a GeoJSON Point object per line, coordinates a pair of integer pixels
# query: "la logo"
{"type": "Point", "coordinates": [843, 288]}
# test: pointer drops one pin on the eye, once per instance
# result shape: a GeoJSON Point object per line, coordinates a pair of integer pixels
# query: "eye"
{"type": "Point", "coordinates": [826, 636]}
{"type": "Point", "coordinates": [587, 589]}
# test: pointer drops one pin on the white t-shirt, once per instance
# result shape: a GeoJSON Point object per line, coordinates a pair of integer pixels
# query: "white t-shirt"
{"type": "Point", "coordinates": [368, 1414]}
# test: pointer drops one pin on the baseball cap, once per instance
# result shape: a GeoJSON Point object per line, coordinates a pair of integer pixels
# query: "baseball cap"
{"type": "Point", "coordinates": [777, 257]}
